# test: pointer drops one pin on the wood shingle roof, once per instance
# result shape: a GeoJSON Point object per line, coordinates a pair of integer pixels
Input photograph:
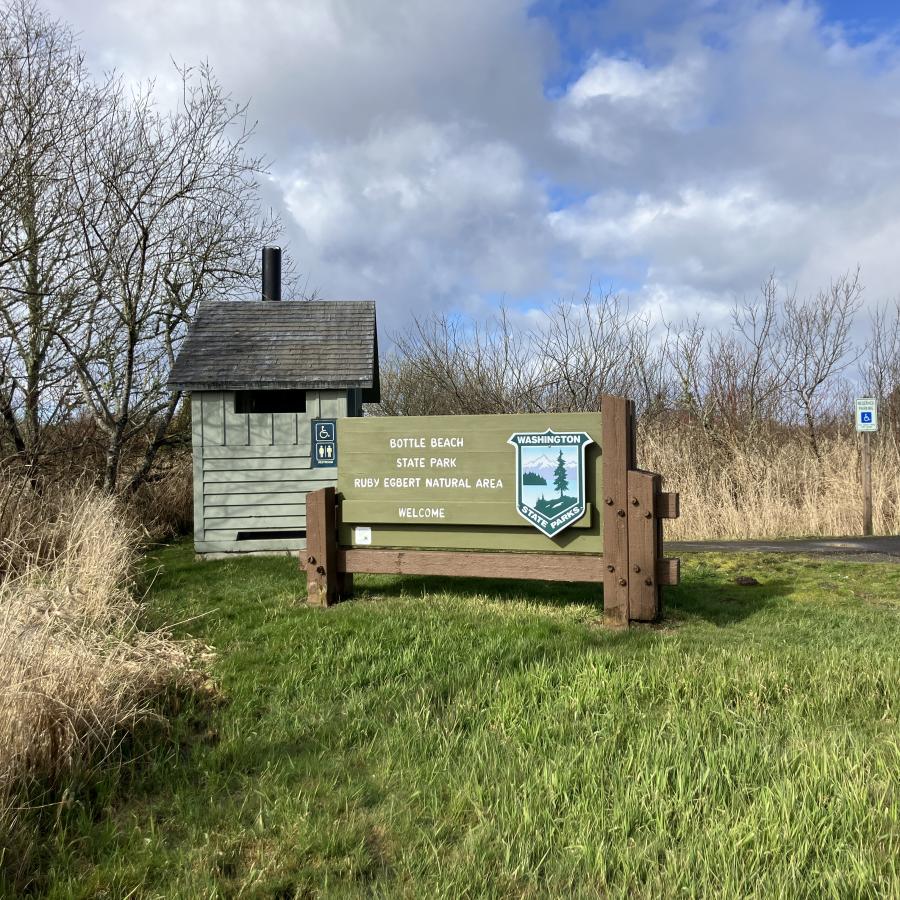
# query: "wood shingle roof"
{"type": "Point", "coordinates": [255, 345]}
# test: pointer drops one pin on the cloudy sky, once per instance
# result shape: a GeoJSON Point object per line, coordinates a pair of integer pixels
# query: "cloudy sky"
{"type": "Point", "coordinates": [443, 155]}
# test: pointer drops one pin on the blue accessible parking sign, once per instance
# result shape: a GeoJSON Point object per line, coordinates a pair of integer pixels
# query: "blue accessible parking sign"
{"type": "Point", "coordinates": [866, 414]}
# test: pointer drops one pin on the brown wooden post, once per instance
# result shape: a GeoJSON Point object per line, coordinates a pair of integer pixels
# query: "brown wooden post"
{"type": "Point", "coordinates": [667, 505]}
{"type": "Point", "coordinates": [321, 548]}
{"type": "Point", "coordinates": [618, 458]}
{"type": "Point", "coordinates": [345, 585]}
{"type": "Point", "coordinates": [344, 579]}
{"type": "Point", "coordinates": [644, 546]}
{"type": "Point", "coordinates": [867, 482]}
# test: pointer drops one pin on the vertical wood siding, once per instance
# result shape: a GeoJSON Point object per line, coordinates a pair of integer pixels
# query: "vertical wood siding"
{"type": "Point", "coordinates": [197, 444]}
{"type": "Point", "coordinates": [252, 471]}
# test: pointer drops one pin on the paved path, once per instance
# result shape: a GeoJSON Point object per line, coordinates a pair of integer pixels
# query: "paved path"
{"type": "Point", "coordinates": [863, 549]}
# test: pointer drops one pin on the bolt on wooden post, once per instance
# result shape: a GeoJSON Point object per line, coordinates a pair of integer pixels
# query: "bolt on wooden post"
{"type": "Point", "coordinates": [618, 458]}
{"type": "Point", "coordinates": [321, 548]}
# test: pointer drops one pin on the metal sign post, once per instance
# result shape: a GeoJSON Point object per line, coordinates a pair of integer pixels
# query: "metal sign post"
{"type": "Point", "coordinates": [866, 423]}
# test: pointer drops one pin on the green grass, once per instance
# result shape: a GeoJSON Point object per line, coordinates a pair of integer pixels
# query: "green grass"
{"type": "Point", "coordinates": [492, 739]}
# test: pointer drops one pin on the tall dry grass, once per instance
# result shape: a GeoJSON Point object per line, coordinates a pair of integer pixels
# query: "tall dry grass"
{"type": "Point", "coordinates": [767, 485]}
{"type": "Point", "coordinates": [76, 669]}
{"type": "Point", "coordinates": [165, 505]}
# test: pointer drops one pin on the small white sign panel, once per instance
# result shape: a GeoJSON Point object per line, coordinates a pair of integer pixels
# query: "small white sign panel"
{"type": "Point", "coordinates": [362, 536]}
{"type": "Point", "coordinates": [866, 414]}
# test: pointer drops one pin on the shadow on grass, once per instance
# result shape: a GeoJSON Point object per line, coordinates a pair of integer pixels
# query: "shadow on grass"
{"type": "Point", "coordinates": [706, 592]}
{"type": "Point", "coordinates": [722, 604]}
{"type": "Point", "coordinates": [549, 593]}
{"type": "Point", "coordinates": [697, 597]}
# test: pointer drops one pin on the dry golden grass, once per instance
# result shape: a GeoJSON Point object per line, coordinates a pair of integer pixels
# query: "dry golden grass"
{"type": "Point", "coordinates": [757, 486]}
{"type": "Point", "coordinates": [165, 505]}
{"type": "Point", "coordinates": [76, 670]}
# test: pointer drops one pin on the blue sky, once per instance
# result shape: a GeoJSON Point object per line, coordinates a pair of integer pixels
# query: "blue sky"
{"type": "Point", "coordinates": [581, 27]}
{"type": "Point", "coordinates": [875, 13]}
{"type": "Point", "coordinates": [438, 156]}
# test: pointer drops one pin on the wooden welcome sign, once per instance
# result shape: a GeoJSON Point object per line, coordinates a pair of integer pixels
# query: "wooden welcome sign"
{"type": "Point", "coordinates": [553, 497]}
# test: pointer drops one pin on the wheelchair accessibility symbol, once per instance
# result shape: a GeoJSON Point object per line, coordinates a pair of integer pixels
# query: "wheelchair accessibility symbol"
{"type": "Point", "coordinates": [324, 443]}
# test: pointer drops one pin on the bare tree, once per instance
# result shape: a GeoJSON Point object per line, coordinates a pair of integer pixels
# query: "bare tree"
{"type": "Point", "coordinates": [685, 348]}
{"type": "Point", "coordinates": [881, 366]}
{"type": "Point", "coordinates": [169, 217]}
{"type": "Point", "coordinates": [116, 220]}
{"type": "Point", "coordinates": [762, 380]}
{"type": "Point", "coordinates": [743, 369]}
{"type": "Point", "coordinates": [447, 365]}
{"type": "Point", "coordinates": [587, 351]}
{"type": "Point", "coordinates": [564, 361]}
{"type": "Point", "coordinates": [48, 104]}
{"type": "Point", "coordinates": [818, 347]}
{"type": "Point", "coordinates": [650, 380]}
{"type": "Point", "coordinates": [779, 361]}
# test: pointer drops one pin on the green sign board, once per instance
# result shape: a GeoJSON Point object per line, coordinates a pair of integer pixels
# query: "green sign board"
{"type": "Point", "coordinates": [516, 482]}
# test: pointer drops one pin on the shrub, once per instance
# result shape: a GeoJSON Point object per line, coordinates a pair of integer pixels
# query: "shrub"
{"type": "Point", "coordinates": [77, 671]}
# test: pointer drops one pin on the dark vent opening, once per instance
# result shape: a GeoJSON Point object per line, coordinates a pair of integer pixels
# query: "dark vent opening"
{"type": "Point", "coordinates": [270, 401]}
{"type": "Point", "coordinates": [273, 535]}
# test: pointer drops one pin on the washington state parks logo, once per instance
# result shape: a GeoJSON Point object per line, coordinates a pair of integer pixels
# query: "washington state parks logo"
{"type": "Point", "coordinates": [550, 477]}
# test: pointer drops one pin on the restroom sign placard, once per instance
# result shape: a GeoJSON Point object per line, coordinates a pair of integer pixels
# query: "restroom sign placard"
{"type": "Point", "coordinates": [324, 443]}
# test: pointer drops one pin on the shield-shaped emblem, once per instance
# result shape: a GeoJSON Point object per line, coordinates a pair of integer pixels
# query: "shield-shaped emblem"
{"type": "Point", "coordinates": [550, 491]}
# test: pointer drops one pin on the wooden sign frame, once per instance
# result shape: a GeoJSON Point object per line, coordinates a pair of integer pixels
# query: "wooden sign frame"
{"type": "Point", "coordinates": [630, 564]}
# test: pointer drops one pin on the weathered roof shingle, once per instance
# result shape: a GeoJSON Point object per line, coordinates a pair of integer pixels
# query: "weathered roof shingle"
{"type": "Point", "coordinates": [292, 344]}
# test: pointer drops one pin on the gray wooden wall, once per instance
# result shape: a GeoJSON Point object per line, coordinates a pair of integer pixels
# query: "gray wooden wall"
{"type": "Point", "coordinates": [252, 470]}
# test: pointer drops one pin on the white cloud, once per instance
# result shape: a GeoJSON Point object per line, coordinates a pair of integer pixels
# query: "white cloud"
{"type": "Point", "coordinates": [334, 69]}
{"type": "Point", "coordinates": [426, 212]}
{"type": "Point", "coordinates": [419, 159]}
{"type": "Point", "coordinates": [667, 89]}
{"type": "Point", "coordinates": [771, 148]}
{"type": "Point", "coordinates": [696, 237]}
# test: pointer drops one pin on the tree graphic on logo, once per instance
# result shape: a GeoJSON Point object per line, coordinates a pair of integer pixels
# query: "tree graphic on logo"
{"type": "Point", "coordinates": [560, 482]}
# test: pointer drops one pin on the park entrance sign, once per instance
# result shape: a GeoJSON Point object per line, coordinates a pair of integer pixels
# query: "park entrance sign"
{"type": "Point", "coordinates": [472, 482]}
{"type": "Point", "coordinates": [546, 496]}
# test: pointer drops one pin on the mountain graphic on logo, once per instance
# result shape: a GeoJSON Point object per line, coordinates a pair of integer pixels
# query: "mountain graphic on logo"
{"type": "Point", "coordinates": [542, 461]}
{"type": "Point", "coordinates": [544, 466]}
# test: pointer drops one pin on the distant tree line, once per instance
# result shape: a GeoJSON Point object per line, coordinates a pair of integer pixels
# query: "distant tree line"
{"type": "Point", "coordinates": [781, 361]}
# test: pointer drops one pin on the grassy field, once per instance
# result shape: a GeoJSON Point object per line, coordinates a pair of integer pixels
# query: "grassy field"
{"type": "Point", "coordinates": [490, 739]}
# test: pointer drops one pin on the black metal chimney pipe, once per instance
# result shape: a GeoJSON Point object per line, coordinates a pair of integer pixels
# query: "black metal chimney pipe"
{"type": "Point", "coordinates": [271, 273]}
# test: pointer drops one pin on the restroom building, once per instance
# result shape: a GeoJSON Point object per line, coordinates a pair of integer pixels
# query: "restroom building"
{"type": "Point", "coordinates": [259, 374]}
